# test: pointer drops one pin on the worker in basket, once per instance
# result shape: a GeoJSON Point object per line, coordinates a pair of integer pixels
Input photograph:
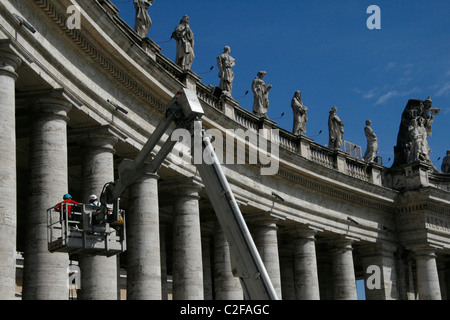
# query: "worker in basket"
{"type": "Point", "coordinates": [67, 198]}
{"type": "Point", "coordinates": [93, 200]}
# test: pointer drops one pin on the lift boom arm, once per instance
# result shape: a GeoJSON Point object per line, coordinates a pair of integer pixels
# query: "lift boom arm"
{"type": "Point", "coordinates": [185, 111]}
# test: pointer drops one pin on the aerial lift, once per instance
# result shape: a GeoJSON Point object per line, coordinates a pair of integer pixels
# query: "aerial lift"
{"type": "Point", "coordinates": [183, 111]}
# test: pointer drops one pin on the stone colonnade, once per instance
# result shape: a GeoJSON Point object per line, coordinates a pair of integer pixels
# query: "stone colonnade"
{"type": "Point", "coordinates": [297, 271]}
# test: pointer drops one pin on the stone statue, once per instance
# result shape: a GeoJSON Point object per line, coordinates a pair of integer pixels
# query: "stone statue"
{"type": "Point", "coordinates": [372, 143]}
{"type": "Point", "coordinates": [419, 149]}
{"type": "Point", "coordinates": [261, 95]}
{"type": "Point", "coordinates": [445, 167]}
{"type": "Point", "coordinates": [225, 62]}
{"type": "Point", "coordinates": [185, 44]}
{"type": "Point", "coordinates": [415, 128]}
{"type": "Point", "coordinates": [336, 130]}
{"type": "Point", "coordinates": [142, 22]}
{"type": "Point", "coordinates": [300, 116]}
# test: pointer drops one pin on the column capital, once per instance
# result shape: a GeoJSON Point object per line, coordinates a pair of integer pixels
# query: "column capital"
{"type": "Point", "coordinates": [342, 243]}
{"type": "Point", "coordinates": [263, 219]}
{"type": "Point", "coordinates": [303, 231]}
{"type": "Point", "coordinates": [424, 251]}
{"type": "Point", "coordinates": [186, 187]}
{"type": "Point", "coordinates": [9, 60]}
{"type": "Point", "coordinates": [52, 102]}
{"type": "Point", "coordinates": [97, 137]}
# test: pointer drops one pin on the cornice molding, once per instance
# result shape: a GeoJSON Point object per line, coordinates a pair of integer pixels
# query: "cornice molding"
{"type": "Point", "coordinates": [96, 55]}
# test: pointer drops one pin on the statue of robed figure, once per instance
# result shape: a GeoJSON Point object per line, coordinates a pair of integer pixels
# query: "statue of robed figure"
{"type": "Point", "coordinates": [260, 95]}
{"type": "Point", "coordinates": [185, 44]}
{"type": "Point", "coordinates": [142, 22]}
{"type": "Point", "coordinates": [336, 130]}
{"type": "Point", "coordinates": [300, 116]}
{"type": "Point", "coordinates": [225, 63]}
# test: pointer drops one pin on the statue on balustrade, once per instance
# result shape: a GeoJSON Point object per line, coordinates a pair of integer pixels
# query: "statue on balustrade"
{"type": "Point", "coordinates": [142, 22]}
{"type": "Point", "coordinates": [419, 150]}
{"type": "Point", "coordinates": [185, 44]}
{"type": "Point", "coordinates": [300, 116]}
{"type": "Point", "coordinates": [415, 128]}
{"type": "Point", "coordinates": [372, 143]}
{"type": "Point", "coordinates": [335, 129]}
{"type": "Point", "coordinates": [445, 167]}
{"type": "Point", "coordinates": [261, 95]}
{"type": "Point", "coordinates": [225, 63]}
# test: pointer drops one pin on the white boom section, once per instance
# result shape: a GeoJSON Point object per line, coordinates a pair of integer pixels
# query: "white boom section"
{"type": "Point", "coordinates": [246, 262]}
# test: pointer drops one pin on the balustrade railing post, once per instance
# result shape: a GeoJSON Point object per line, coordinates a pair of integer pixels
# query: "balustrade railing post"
{"type": "Point", "coordinates": [340, 161]}
{"type": "Point", "coordinates": [304, 147]}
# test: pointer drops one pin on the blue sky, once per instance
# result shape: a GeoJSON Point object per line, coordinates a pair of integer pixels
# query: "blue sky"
{"type": "Point", "coordinates": [324, 49]}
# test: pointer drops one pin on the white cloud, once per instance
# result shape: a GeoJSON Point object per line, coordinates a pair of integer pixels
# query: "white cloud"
{"type": "Point", "coordinates": [385, 97]}
{"type": "Point", "coordinates": [369, 94]}
{"type": "Point", "coordinates": [391, 65]}
{"type": "Point", "coordinates": [395, 93]}
{"type": "Point", "coordinates": [444, 89]}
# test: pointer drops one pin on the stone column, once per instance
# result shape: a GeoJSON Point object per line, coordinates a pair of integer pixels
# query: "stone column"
{"type": "Point", "coordinates": [412, 293]}
{"type": "Point", "coordinates": [427, 274]}
{"type": "Point", "coordinates": [325, 271]}
{"type": "Point", "coordinates": [143, 241]}
{"type": "Point", "coordinates": [9, 62]}
{"type": "Point", "coordinates": [162, 241]}
{"type": "Point", "coordinates": [266, 241]}
{"type": "Point", "coordinates": [207, 229]}
{"type": "Point", "coordinates": [442, 279]}
{"type": "Point", "coordinates": [98, 273]}
{"type": "Point", "coordinates": [227, 286]}
{"type": "Point", "coordinates": [287, 269]}
{"type": "Point", "coordinates": [380, 272]}
{"type": "Point", "coordinates": [45, 273]}
{"type": "Point", "coordinates": [343, 270]}
{"type": "Point", "coordinates": [187, 267]}
{"type": "Point", "coordinates": [447, 279]}
{"type": "Point", "coordinates": [305, 264]}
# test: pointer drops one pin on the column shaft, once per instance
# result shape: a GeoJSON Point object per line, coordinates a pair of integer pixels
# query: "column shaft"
{"type": "Point", "coordinates": [8, 64]}
{"type": "Point", "coordinates": [325, 272]}
{"type": "Point", "coordinates": [305, 264]}
{"type": "Point", "coordinates": [227, 286]}
{"type": "Point", "coordinates": [164, 282]}
{"type": "Point", "coordinates": [343, 271]}
{"type": "Point", "coordinates": [287, 273]}
{"type": "Point", "coordinates": [99, 274]}
{"type": "Point", "coordinates": [266, 241]}
{"type": "Point", "coordinates": [207, 268]}
{"type": "Point", "coordinates": [143, 241]}
{"type": "Point", "coordinates": [427, 275]}
{"type": "Point", "coordinates": [187, 268]}
{"type": "Point", "coordinates": [45, 273]}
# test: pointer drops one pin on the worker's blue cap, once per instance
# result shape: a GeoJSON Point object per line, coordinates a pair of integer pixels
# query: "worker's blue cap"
{"type": "Point", "coordinates": [67, 196]}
